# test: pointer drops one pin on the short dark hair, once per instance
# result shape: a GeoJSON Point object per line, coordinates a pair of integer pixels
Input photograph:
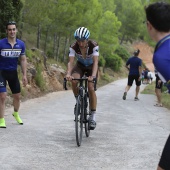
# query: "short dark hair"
{"type": "Point", "coordinates": [158, 14]}
{"type": "Point", "coordinates": [10, 23]}
{"type": "Point", "coordinates": [136, 53]}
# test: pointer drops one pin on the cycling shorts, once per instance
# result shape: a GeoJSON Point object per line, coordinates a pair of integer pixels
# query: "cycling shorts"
{"type": "Point", "coordinates": [165, 157]}
{"type": "Point", "coordinates": [131, 78]}
{"type": "Point", "coordinates": [12, 78]}
{"type": "Point", "coordinates": [81, 69]}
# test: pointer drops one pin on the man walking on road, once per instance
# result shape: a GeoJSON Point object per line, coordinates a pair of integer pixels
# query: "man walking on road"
{"type": "Point", "coordinates": [158, 26]}
{"type": "Point", "coordinates": [11, 49]}
{"type": "Point", "coordinates": [134, 65]}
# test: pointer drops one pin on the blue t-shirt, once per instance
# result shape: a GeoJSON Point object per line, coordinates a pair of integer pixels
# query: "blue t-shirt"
{"type": "Point", "coordinates": [161, 59]}
{"type": "Point", "coordinates": [8, 55]}
{"type": "Point", "coordinates": [134, 63]}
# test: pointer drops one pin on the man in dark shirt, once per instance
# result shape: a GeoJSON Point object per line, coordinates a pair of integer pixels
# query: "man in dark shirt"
{"type": "Point", "coordinates": [158, 27]}
{"type": "Point", "coordinates": [135, 70]}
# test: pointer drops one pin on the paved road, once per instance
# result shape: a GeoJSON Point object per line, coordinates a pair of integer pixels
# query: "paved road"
{"type": "Point", "coordinates": [129, 135]}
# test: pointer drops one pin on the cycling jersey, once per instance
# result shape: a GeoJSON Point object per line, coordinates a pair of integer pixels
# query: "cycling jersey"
{"type": "Point", "coordinates": [92, 50]}
{"type": "Point", "coordinates": [8, 55]}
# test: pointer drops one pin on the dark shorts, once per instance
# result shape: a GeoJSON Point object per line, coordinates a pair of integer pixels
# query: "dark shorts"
{"type": "Point", "coordinates": [12, 78]}
{"type": "Point", "coordinates": [81, 69]}
{"type": "Point", "coordinates": [131, 78]}
{"type": "Point", "coordinates": [165, 157]}
{"type": "Point", "coordinates": [158, 86]}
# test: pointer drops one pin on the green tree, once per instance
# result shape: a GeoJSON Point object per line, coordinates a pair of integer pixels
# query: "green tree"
{"type": "Point", "coordinates": [108, 33]}
{"type": "Point", "coordinates": [131, 15]}
{"type": "Point", "coordinates": [9, 11]}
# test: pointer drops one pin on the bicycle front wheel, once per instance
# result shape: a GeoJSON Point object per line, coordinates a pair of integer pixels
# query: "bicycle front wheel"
{"type": "Point", "coordinates": [86, 117]}
{"type": "Point", "coordinates": [79, 122]}
{"type": "Point", "coordinates": [86, 122]}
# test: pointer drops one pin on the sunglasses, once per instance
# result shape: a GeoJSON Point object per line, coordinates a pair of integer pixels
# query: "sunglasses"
{"type": "Point", "coordinates": [10, 23]}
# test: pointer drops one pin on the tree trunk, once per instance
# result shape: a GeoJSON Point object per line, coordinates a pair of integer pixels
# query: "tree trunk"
{"type": "Point", "coordinates": [65, 49]}
{"type": "Point", "coordinates": [58, 47]}
{"type": "Point", "coordinates": [54, 45]}
{"type": "Point", "coordinates": [122, 39]}
{"type": "Point", "coordinates": [38, 36]}
{"type": "Point", "coordinates": [46, 37]}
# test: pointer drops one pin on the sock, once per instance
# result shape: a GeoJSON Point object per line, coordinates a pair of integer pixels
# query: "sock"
{"type": "Point", "coordinates": [15, 113]}
{"type": "Point", "coordinates": [76, 96]}
{"type": "Point", "coordinates": [93, 115]}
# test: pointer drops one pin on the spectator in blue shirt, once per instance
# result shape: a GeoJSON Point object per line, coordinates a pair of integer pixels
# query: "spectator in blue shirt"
{"type": "Point", "coordinates": [11, 49]}
{"type": "Point", "coordinates": [134, 65]}
{"type": "Point", "coordinates": [158, 26]}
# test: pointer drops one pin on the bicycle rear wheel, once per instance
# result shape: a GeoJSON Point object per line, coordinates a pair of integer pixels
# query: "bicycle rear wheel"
{"type": "Point", "coordinates": [79, 122]}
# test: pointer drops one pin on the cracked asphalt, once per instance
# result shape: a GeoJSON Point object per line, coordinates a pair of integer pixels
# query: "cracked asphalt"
{"type": "Point", "coordinates": [129, 134]}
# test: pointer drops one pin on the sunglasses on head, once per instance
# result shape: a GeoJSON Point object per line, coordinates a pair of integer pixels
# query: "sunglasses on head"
{"type": "Point", "coordinates": [10, 23]}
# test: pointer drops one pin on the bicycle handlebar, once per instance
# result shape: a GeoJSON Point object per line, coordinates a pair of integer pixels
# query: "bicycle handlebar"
{"type": "Point", "coordinates": [79, 79]}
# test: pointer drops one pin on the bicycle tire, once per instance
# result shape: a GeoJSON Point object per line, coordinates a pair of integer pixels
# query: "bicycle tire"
{"type": "Point", "coordinates": [79, 121]}
{"type": "Point", "coordinates": [86, 117]}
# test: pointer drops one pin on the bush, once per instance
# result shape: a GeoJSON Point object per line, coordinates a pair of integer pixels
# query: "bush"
{"type": "Point", "coordinates": [101, 61]}
{"type": "Point", "coordinates": [114, 62]}
{"type": "Point", "coordinates": [122, 52]}
{"type": "Point", "coordinates": [29, 54]}
{"type": "Point", "coordinates": [50, 54]}
{"type": "Point", "coordinates": [39, 78]}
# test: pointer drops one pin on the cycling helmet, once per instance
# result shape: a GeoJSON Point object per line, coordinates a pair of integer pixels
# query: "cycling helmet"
{"type": "Point", "coordinates": [81, 33]}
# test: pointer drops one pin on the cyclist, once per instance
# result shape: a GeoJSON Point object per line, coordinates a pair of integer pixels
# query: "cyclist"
{"type": "Point", "coordinates": [11, 49]}
{"type": "Point", "coordinates": [158, 27]}
{"type": "Point", "coordinates": [86, 52]}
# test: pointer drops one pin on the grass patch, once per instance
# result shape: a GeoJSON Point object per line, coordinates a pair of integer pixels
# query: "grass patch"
{"type": "Point", "coordinates": [150, 89]}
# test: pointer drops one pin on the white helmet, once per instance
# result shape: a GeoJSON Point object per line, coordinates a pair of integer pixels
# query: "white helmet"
{"type": "Point", "coordinates": [81, 33]}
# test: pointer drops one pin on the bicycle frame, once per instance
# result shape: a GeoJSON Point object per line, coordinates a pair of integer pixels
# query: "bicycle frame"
{"type": "Point", "coordinates": [81, 113]}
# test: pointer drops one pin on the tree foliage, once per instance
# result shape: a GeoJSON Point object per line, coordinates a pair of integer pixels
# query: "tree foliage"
{"type": "Point", "coordinates": [53, 22]}
{"type": "Point", "coordinates": [9, 11]}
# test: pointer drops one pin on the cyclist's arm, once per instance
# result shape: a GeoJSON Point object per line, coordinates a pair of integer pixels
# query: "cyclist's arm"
{"type": "Point", "coordinates": [69, 68]}
{"type": "Point", "coordinates": [70, 65]}
{"type": "Point", "coordinates": [95, 66]}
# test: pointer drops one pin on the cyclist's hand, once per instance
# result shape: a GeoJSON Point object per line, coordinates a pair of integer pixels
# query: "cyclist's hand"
{"type": "Point", "coordinates": [90, 78]}
{"type": "Point", "coordinates": [69, 77]}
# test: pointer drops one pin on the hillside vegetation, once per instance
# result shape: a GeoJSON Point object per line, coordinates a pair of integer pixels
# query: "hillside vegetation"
{"type": "Point", "coordinates": [47, 28]}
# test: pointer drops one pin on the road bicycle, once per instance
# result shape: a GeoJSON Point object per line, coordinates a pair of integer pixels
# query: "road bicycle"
{"type": "Point", "coordinates": [82, 108]}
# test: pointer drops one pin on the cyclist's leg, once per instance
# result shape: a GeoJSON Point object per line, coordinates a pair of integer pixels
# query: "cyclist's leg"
{"type": "Point", "coordinates": [93, 98]}
{"type": "Point", "coordinates": [76, 73]}
{"type": "Point", "coordinates": [93, 104]}
{"type": "Point", "coordinates": [91, 90]}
